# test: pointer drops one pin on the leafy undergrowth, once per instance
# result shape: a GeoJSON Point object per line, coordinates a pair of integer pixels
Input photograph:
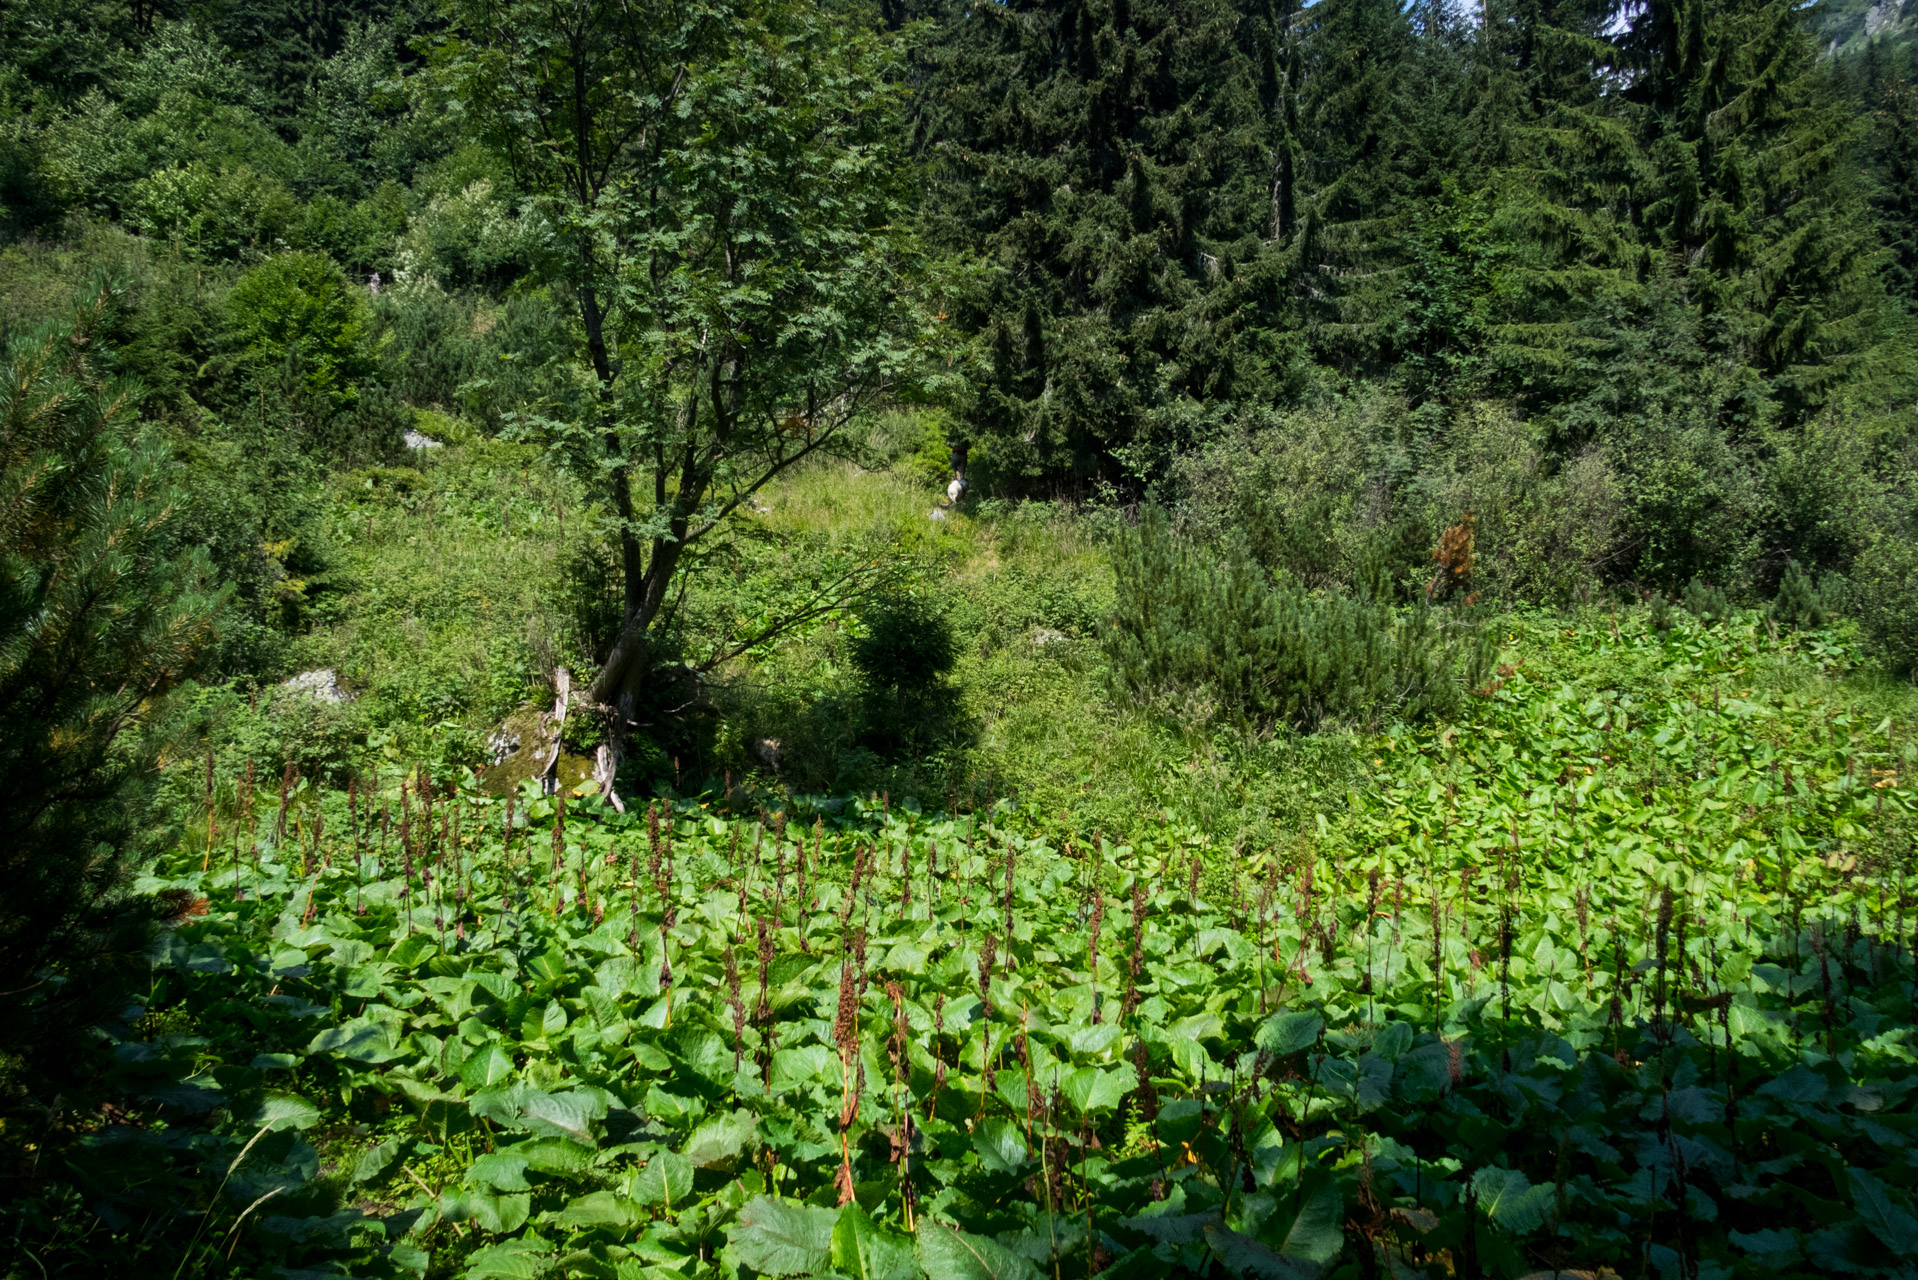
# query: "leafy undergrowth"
{"type": "Point", "coordinates": [1612, 976]}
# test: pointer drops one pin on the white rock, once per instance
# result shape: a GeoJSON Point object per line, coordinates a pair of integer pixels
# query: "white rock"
{"type": "Point", "coordinates": [416, 440]}
{"type": "Point", "coordinates": [322, 683]}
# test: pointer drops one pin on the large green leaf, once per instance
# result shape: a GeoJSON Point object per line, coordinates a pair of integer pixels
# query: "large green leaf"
{"type": "Point", "coordinates": [946, 1254]}
{"type": "Point", "coordinates": [1001, 1144]}
{"type": "Point", "coordinates": [666, 1179]}
{"type": "Point", "coordinates": [500, 1170]}
{"type": "Point", "coordinates": [284, 1111]}
{"type": "Point", "coordinates": [864, 1252]}
{"type": "Point", "coordinates": [560, 1156]}
{"type": "Point", "coordinates": [499, 1213]}
{"type": "Point", "coordinates": [486, 1066]}
{"type": "Point", "coordinates": [1510, 1200]}
{"type": "Point", "coordinates": [1890, 1221]}
{"type": "Point", "coordinates": [1093, 1090]}
{"type": "Point", "coordinates": [1242, 1255]}
{"type": "Point", "coordinates": [412, 949]}
{"type": "Point", "coordinates": [721, 1139]}
{"type": "Point", "coordinates": [1287, 1033]}
{"type": "Point", "coordinates": [797, 1067]}
{"type": "Point", "coordinates": [374, 1162]}
{"type": "Point", "coordinates": [1315, 1230]}
{"type": "Point", "coordinates": [362, 1040]}
{"type": "Point", "coordinates": [511, 1260]}
{"type": "Point", "coordinates": [783, 1238]}
{"type": "Point", "coordinates": [519, 1106]}
{"type": "Point", "coordinates": [601, 1209]}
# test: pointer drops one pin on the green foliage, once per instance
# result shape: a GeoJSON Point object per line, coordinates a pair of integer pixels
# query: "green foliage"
{"type": "Point", "coordinates": [1737, 115]}
{"type": "Point", "coordinates": [1885, 598]}
{"type": "Point", "coordinates": [296, 310]}
{"type": "Point", "coordinates": [1356, 494]}
{"type": "Point", "coordinates": [905, 644]}
{"type": "Point", "coordinates": [727, 215]}
{"type": "Point", "coordinates": [1109, 168]}
{"type": "Point", "coordinates": [1265, 650]}
{"type": "Point", "coordinates": [1614, 902]}
{"type": "Point", "coordinates": [104, 610]}
{"type": "Point", "coordinates": [1802, 604]}
{"type": "Point", "coordinates": [1706, 602]}
{"type": "Point", "coordinates": [903, 651]}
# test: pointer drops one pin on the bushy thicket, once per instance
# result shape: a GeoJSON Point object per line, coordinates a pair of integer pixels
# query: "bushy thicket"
{"type": "Point", "coordinates": [1356, 493]}
{"type": "Point", "coordinates": [1264, 649]}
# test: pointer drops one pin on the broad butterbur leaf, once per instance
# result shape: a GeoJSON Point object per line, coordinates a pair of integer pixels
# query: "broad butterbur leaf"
{"type": "Point", "coordinates": [783, 1238]}
{"type": "Point", "coordinates": [485, 1067]}
{"type": "Point", "coordinates": [721, 1139]}
{"type": "Point", "coordinates": [512, 1260]}
{"type": "Point", "coordinates": [1288, 1033]}
{"type": "Point", "coordinates": [1309, 1222]}
{"type": "Point", "coordinates": [601, 1209]}
{"type": "Point", "coordinates": [1242, 1255]}
{"type": "Point", "coordinates": [861, 1250]}
{"type": "Point", "coordinates": [1093, 1090]}
{"type": "Point", "coordinates": [1001, 1144]}
{"type": "Point", "coordinates": [946, 1254]}
{"type": "Point", "coordinates": [1509, 1199]}
{"type": "Point", "coordinates": [1881, 1211]}
{"type": "Point", "coordinates": [667, 1179]}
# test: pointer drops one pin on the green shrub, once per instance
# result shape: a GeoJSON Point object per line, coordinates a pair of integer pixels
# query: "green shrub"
{"type": "Point", "coordinates": [297, 308]}
{"type": "Point", "coordinates": [1265, 650]}
{"type": "Point", "coordinates": [1801, 603]}
{"type": "Point", "coordinates": [105, 608]}
{"type": "Point", "coordinates": [359, 234]}
{"type": "Point", "coordinates": [214, 213]}
{"type": "Point", "coordinates": [1355, 495]}
{"type": "Point", "coordinates": [1706, 602]}
{"type": "Point", "coordinates": [903, 652]}
{"type": "Point", "coordinates": [1659, 611]}
{"type": "Point", "coordinates": [1885, 597]}
{"type": "Point", "coordinates": [906, 645]}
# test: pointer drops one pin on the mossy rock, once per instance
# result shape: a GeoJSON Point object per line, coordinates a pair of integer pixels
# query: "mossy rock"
{"type": "Point", "coordinates": [527, 738]}
{"type": "Point", "coordinates": [575, 774]}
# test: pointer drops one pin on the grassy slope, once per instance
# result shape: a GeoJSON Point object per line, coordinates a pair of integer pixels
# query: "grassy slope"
{"type": "Point", "coordinates": [456, 602]}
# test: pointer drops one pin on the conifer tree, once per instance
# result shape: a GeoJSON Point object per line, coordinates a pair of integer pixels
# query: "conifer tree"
{"type": "Point", "coordinates": [1109, 162]}
{"type": "Point", "coordinates": [103, 611]}
{"type": "Point", "coordinates": [1890, 99]}
{"type": "Point", "coordinates": [1751, 201]}
{"type": "Point", "coordinates": [1561, 156]}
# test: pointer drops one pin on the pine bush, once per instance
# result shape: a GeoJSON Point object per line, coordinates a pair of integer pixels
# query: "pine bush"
{"type": "Point", "coordinates": [1706, 602]}
{"type": "Point", "coordinates": [1802, 604]}
{"type": "Point", "coordinates": [1884, 597]}
{"type": "Point", "coordinates": [903, 655]}
{"type": "Point", "coordinates": [1267, 651]}
{"type": "Point", "coordinates": [103, 611]}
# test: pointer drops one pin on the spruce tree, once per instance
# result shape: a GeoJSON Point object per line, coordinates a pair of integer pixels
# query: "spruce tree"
{"type": "Point", "coordinates": [1108, 161]}
{"type": "Point", "coordinates": [1752, 201]}
{"type": "Point", "coordinates": [1364, 172]}
{"type": "Point", "coordinates": [1561, 154]}
{"type": "Point", "coordinates": [1889, 97]}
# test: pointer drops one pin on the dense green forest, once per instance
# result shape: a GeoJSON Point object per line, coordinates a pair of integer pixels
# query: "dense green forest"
{"type": "Point", "coordinates": [957, 639]}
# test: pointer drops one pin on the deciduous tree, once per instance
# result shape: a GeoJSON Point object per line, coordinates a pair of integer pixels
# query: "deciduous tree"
{"type": "Point", "coordinates": [725, 209]}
